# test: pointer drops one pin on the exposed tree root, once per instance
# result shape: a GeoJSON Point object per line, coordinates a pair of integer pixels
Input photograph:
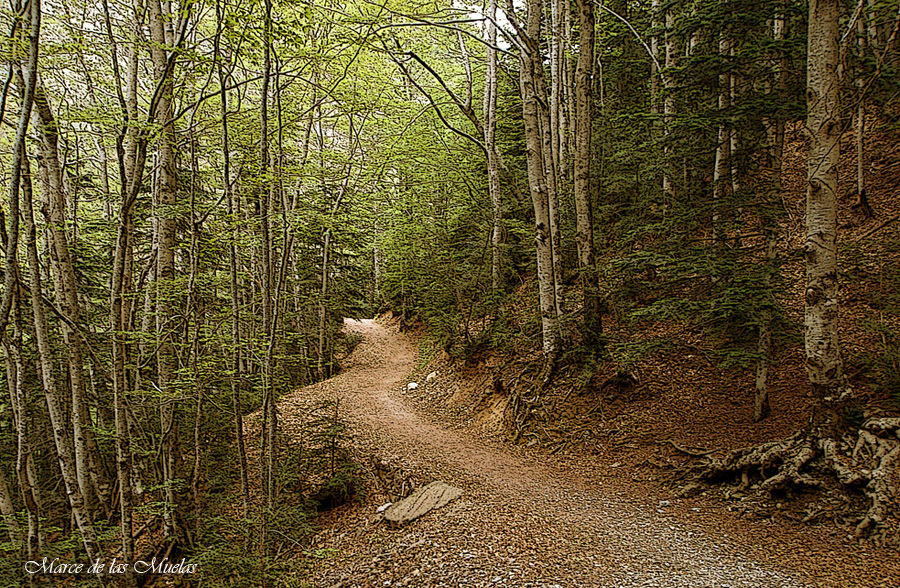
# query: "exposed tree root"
{"type": "Point", "coordinates": [523, 400]}
{"type": "Point", "coordinates": [866, 460]}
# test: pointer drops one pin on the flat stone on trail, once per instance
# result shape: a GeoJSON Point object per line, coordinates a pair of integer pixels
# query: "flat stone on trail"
{"type": "Point", "coordinates": [421, 501]}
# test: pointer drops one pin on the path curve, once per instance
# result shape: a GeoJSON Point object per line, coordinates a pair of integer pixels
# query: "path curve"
{"type": "Point", "coordinates": [521, 521]}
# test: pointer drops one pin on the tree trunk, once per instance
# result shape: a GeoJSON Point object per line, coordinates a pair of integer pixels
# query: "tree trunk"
{"type": "Point", "coordinates": [490, 129]}
{"type": "Point", "coordinates": [734, 137]}
{"type": "Point", "coordinates": [267, 464]}
{"type": "Point", "coordinates": [669, 101]}
{"type": "Point", "coordinates": [654, 70]}
{"type": "Point", "coordinates": [556, 87]}
{"type": "Point", "coordinates": [131, 157]}
{"type": "Point", "coordinates": [531, 70]}
{"type": "Point", "coordinates": [764, 344]}
{"type": "Point", "coordinates": [761, 408]}
{"type": "Point", "coordinates": [823, 357]}
{"type": "Point", "coordinates": [29, 84]}
{"type": "Point", "coordinates": [58, 422]}
{"type": "Point", "coordinates": [87, 457]}
{"type": "Point", "coordinates": [8, 511]}
{"type": "Point", "coordinates": [323, 306]}
{"type": "Point", "coordinates": [25, 473]}
{"type": "Point", "coordinates": [236, 375]}
{"type": "Point", "coordinates": [862, 200]}
{"type": "Point", "coordinates": [164, 216]}
{"type": "Point", "coordinates": [9, 303]}
{"type": "Point", "coordinates": [584, 213]}
{"type": "Point", "coordinates": [721, 168]}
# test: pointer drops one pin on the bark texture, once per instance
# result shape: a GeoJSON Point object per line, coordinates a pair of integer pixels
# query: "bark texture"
{"type": "Point", "coordinates": [823, 358]}
{"type": "Point", "coordinates": [164, 222]}
{"type": "Point", "coordinates": [584, 210]}
{"type": "Point", "coordinates": [533, 113]}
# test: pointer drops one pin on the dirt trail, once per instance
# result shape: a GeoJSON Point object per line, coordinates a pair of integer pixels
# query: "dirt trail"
{"type": "Point", "coordinates": [523, 520]}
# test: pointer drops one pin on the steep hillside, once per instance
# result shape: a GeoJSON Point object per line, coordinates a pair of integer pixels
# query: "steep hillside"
{"type": "Point", "coordinates": [657, 414]}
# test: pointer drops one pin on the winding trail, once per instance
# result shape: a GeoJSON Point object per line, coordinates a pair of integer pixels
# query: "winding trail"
{"type": "Point", "coordinates": [522, 520]}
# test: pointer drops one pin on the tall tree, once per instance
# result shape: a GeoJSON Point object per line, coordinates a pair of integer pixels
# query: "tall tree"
{"type": "Point", "coordinates": [823, 125]}
{"type": "Point", "coordinates": [235, 378]}
{"type": "Point", "coordinates": [584, 213]}
{"type": "Point", "coordinates": [539, 164]}
{"type": "Point", "coordinates": [490, 143]}
{"type": "Point", "coordinates": [165, 201]}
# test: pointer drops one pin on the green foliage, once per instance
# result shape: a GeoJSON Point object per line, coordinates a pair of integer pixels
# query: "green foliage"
{"type": "Point", "coordinates": [374, 204]}
{"type": "Point", "coordinates": [346, 342]}
{"type": "Point", "coordinates": [663, 265]}
{"type": "Point", "coordinates": [427, 350]}
{"type": "Point", "coordinates": [870, 263]}
{"type": "Point", "coordinates": [885, 362]}
{"type": "Point", "coordinates": [628, 354]}
{"type": "Point", "coordinates": [315, 463]}
{"type": "Point", "coordinates": [340, 487]}
{"type": "Point", "coordinates": [225, 555]}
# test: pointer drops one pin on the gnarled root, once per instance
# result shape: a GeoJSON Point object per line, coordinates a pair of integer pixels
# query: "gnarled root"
{"type": "Point", "coordinates": [867, 461]}
{"type": "Point", "coordinates": [881, 441]}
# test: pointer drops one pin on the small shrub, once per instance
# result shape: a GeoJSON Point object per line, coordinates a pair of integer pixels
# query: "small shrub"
{"type": "Point", "coordinates": [339, 488]}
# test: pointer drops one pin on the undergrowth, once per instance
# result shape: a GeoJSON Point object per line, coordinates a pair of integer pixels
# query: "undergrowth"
{"type": "Point", "coordinates": [315, 473]}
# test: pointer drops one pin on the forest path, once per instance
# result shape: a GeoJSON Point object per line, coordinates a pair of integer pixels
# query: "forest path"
{"type": "Point", "coordinates": [522, 520]}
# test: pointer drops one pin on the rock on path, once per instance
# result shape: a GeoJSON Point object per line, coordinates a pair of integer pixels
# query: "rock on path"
{"type": "Point", "coordinates": [423, 500]}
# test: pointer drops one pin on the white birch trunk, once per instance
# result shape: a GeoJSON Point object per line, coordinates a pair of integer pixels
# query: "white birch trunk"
{"type": "Point", "coordinates": [47, 371]}
{"type": "Point", "coordinates": [531, 73]}
{"type": "Point", "coordinates": [164, 215]}
{"type": "Point", "coordinates": [490, 129]}
{"type": "Point", "coordinates": [669, 100]}
{"type": "Point", "coordinates": [584, 213]}
{"type": "Point", "coordinates": [823, 357]}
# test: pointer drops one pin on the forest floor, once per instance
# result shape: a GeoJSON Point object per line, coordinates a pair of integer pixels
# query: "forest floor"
{"type": "Point", "coordinates": [528, 518]}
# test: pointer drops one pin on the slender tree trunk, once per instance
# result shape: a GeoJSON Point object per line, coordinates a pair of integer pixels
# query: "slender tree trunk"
{"type": "Point", "coordinates": [29, 83]}
{"type": "Point", "coordinates": [669, 101]}
{"type": "Point", "coordinates": [267, 464]}
{"type": "Point", "coordinates": [862, 200]}
{"type": "Point", "coordinates": [584, 213]}
{"type": "Point", "coordinates": [531, 71]}
{"type": "Point", "coordinates": [733, 136]}
{"type": "Point", "coordinates": [164, 216]}
{"type": "Point", "coordinates": [119, 292]}
{"type": "Point", "coordinates": [323, 303]}
{"type": "Point", "coordinates": [8, 511]}
{"type": "Point", "coordinates": [236, 375]}
{"type": "Point", "coordinates": [131, 157]}
{"type": "Point", "coordinates": [554, 38]}
{"type": "Point", "coordinates": [568, 111]}
{"type": "Point", "coordinates": [552, 178]}
{"type": "Point", "coordinates": [860, 132]}
{"type": "Point", "coordinates": [823, 357]}
{"type": "Point", "coordinates": [761, 408]}
{"type": "Point", "coordinates": [654, 70]}
{"type": "Point", "coordinates": [11, 292]}
{"type": "Point", "coordinates": [554, 213]}
{"type": "Point", "coordinates": [490, 129]}
{"type": "Point", "coordinates": [47, 370]}
{"type": "Point", "coordinates": [87, 458]}
{"type": "Point", "coordinates": [721, 168]}
{"type": "Point", "coordinates": [119, 311]}
{"type": "Point", "coordinates": [21, 178]}
{"type": "Point", "coordinates": [25, 473]}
